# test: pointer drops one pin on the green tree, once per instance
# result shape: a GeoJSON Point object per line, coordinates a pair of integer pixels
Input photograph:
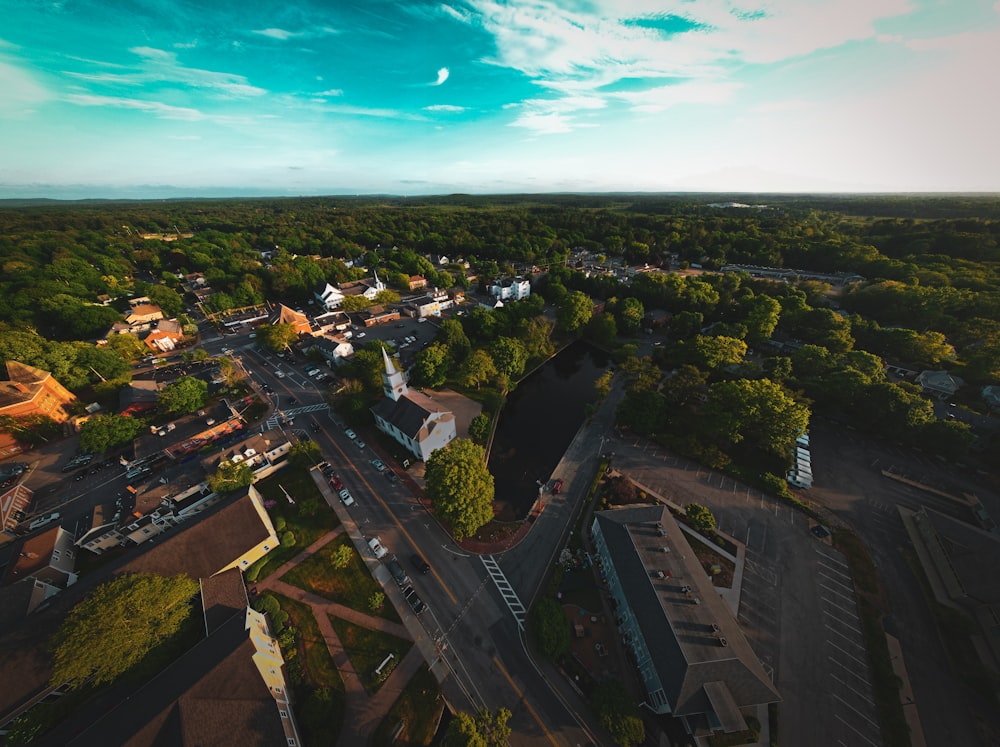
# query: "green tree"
{"type": "Point", "coordinates": [550, 628]}
{"type": "Point", "coordinates": [700, 517]}
{"type": "Point", "coordinates": [485, 729]}
{"type": "Point", "coordinates": [111, 630]}
{"type": "Point", "coordinates": [574, 311]}
{"type": "Point", "coordinates": [712, 353]}
{"type": "Point", "coordinates": [630, 313]}
{"type": "Point", "coordinates": [602, 330]}
{"type": "Point", "coordinates": [277, 337]}
{"type": "Point", "coordinates": [432, 365]}
{"type": "Point", "coordinates": [460, 486]}
{"type": "Point", "coordinates": [341, 557]}
{"type": "Point", "coordinates": [304, 453]}
{"type": "Point", "coordinates": [376, 601]}
{"type": "Point", "coordinates": [105, 431]}
{"type": "Point", "coordinates": [618, 713]}
{"type": "Point", "coordinates": [536, 334]}
{"type": "Point", "coordinates": [355, 303]}
{"type": "Point", "coordinates": [684, 386]}
{"type": "Point", "coordinates": [230, 476]}
{"type": "Point", "coordinates": [509, 356]}
{"type": "Point", "coordinates": [453, 335]}
{"type": "Point", "coordinates": [602, 387]}
{"type": "Point", "coordinates": [479, 428]}
{"type": "Point", "coordinates": [762, 319]}
{"type": "Point", "coordinates": [476, 369]}
{"type": "Point", "coordinates": [757, 411]}
{"type": "Point", "coordinates": [185, 395]}
{"type": "Point", "coordinates": [129, 347]}
{"type": "Point", "coordinates": [169, 301]}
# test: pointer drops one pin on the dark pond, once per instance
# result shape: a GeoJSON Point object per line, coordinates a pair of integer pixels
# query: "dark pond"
{"type": "Point", "coordinates": [537, 423]}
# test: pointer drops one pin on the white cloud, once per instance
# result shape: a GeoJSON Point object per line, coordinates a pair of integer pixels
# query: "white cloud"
{"type": "Point", "coordinates": [442, 76]}
{"type": "Point", "coordinates": [331, 92]}
{"type": "Point", "coordinates": [462, 15]}
{"type": "Point", "coordinates": [157, 108]}
{"type": "Point", "coordinates": [662, 97]}
{"type": "Point", "coordinates": [21, 91]}
{"type": "Point", "coordinates": [158, 66]}
{"type": "Point", "coordinates": [444, 108]}
{"type": "Point", "coordinates": [272, 33]}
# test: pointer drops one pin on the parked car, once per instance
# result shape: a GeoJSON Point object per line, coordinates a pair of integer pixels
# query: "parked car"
{"type": "Point", "coordinates": [419, 563]}
{"type": "Point", "coordinates": [350, 434]}
{"type": "Point", "coordinates": [43, 520]}
{"type": "Point", "coordinates": [348, 499]}
{"type": "Point", "coordinates": [398, 573]}
{"type": "Point", "coordinates": [378, 464]}
{"type": "Point", "coordinates": [279, 373]}
{"type": "Point", "coordinates": [335, 483]}
{"type": "Point", "coordinates": [361, 444]}
{"type": "Point", "coordinates": [376, 546]}
{"type": "Point", "coordinates": [557, 487]}
{"type": "Point", "coordinates": [416, 603]}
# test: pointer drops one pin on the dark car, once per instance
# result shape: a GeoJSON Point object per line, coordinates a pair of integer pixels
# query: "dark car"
{"type": "Point", "coordinates": [416, 603]}
{"type": "Point", "coordinates": [419, 563]}
{"type": "Point", "coordinates": [314, 427]}
{"type": "Point", "coordinates": [820, 531]}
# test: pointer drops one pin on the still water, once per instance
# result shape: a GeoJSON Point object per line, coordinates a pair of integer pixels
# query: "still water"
{"type": "Point", "coordinates": [537, 423]}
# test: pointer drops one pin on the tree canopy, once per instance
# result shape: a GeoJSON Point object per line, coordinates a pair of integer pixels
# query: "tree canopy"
{"type": "Point", "coordinates": [485, 729]}
{"type": "Point", "coordinates": [460, 486]}
{"type": "Point", "coordinates": [106, 431]}
{"type": "Point", "coordinates": [277, 337]}
{"type": "Point", "coordinates": [230, 476]}
{"type": "Point", "coordinates": [185, 395]}
{"type": "Point", "coordinates": [118, 623]}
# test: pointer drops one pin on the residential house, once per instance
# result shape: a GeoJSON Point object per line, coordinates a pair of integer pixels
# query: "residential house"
{"type": "Point", "coordinates": [367, 287]}
{"type": "Point", "coordinates": [14, 504]}
{"type": "Point", "coordinates": [329, 296]}
{"type": "Point", "coordinates": [510, 289]}
{"type": "Point", "coordinates": [139, 396]}
{"type": "Point", "coordinates": [940, 384]}
{"type": "Point", "coordinates": [688, 650]}
{"type": "Point", "coordinates": [285, 315]}
{"type": "Point", "coordinates": [411, 418]}
{"type": "Point", "coordinates": [417, 282]}
{"type": "Point", "coordinates": [336, 320]}
{"type": "Point", "coordinates": [334, 348]}
{"type": "Point", "coordinates": [142, 312]}
{"type": "Point", "coordinates": [427, 307]}
{"type": "Point", "coordinates": [230, 688]}
{"type": "Point", "coordinates": [45, 562]}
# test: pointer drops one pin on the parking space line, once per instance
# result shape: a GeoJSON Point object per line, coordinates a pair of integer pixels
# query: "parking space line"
{"type": "Point", "coordinates": [845, 723]}
{"type": "Point", "coordinates": [845, 623]}
{"type": "Point", "coordinates": [846, 637]}
{"type": "Point", "coordinates": [850, 671]}
{"type": "Point", "coordinates": [832, 558]}
{"type": "Point", "coordinates": [849, 656]}
{"type": "Point", "coordinates": [873, 723]}
{"type": "Point", "coordinates": [835, 581]}
{"type": "Point", "coordinates": [859, 694]}
{"type": "Point", "coordinates": [839, 572]}
{"type": "Point", "coordinates": [838, 593]}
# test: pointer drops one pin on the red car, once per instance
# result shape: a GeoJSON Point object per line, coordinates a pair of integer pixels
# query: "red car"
{"type": "Point", "coordinates": [557, 487]}
{"type": "Point", "coordinates": [336, 483]}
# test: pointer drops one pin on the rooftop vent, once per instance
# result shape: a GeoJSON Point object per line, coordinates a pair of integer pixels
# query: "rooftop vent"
{"type": "Point", "coordinates": [723, 642]}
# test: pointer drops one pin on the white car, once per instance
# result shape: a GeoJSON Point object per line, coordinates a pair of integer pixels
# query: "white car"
{"type": "Point", "coordinates": [376, 545]}
{"type": "Point", "coordinates": [346, 497]}
{"type": "Point", "coordinates": [280, 374]}
{"type": "Point", "coordinates": [350, 434]}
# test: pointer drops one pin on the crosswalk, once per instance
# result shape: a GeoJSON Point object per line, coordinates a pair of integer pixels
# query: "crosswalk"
{"type": "Point", "coordinates": [275, 420]}
{"type": "Point", "coordinates": [510, 597]}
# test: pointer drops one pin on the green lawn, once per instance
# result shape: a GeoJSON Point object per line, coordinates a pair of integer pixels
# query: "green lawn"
{"type": "Point", "coordinates": [308, 519]}
{"type": "Point", "coordinates": [367, 648]}
{"type": "Point", "coordinates": [419, 709]}
{"type": "Point", "coordinates": [319, 693]}
{"type": "Point", "coordinates": [351, 586]}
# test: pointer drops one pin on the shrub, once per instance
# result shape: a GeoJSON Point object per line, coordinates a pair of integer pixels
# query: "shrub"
{"type": "Point", "coordinates": [288, 539]}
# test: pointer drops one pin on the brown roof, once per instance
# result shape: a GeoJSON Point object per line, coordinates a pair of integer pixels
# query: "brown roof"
{"type": "Point", "coordinates": [33, 555]}
{"type": "Point", "coordinates": [222, 597]}
{"type": "Point", "coordinates": [23, 382]}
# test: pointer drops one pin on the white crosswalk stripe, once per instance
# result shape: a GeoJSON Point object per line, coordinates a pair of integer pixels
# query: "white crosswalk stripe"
{"type": "Point", "coordinates": [510, 597]}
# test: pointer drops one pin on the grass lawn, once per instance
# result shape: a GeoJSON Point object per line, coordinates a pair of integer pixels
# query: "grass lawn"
{"type": "Point", "coordinates": [306, 524]}
{"type": "Point", "coordinates": [319, 693]}
{"type": "Point", "coordinates": [367, 648]}
{"type": "Point", "coordinates": [351, 586]}
{"type": "Point", "coordinates": [419, 709]}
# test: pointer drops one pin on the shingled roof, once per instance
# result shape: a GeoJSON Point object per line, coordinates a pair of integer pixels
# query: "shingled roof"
{"type": "Point", "coordinates": [410, 412]}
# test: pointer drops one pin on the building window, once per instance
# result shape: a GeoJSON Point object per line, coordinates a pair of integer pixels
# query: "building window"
{"type": "Point", "coordinates": [283, 714]}
{"type": "Point", "coordinates": [277, 690]}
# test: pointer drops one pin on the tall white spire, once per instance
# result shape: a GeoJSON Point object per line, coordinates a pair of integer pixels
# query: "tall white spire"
{"type": "Point", "coordinates": [393, 383]}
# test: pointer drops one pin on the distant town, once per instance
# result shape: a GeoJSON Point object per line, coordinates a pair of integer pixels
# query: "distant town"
{"type": "Point", "coordinates": [258, 483]}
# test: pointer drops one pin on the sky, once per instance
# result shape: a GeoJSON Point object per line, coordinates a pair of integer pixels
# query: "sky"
{"type": "Point", "coordinates": [165, 98]}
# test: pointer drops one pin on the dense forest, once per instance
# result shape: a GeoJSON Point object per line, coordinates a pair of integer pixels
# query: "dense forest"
{"type": "Point", "coordinates": [929, 297]}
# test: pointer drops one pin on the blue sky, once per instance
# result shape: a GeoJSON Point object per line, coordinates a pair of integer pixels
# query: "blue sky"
{"type": "Point", "coordinates": [151, 98]}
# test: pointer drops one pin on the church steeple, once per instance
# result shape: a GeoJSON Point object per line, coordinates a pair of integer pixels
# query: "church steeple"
{"type": "Point", "coordinates": [393, 383]}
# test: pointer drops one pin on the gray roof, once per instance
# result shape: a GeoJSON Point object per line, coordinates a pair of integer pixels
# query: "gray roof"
{"type": "Point", "coordinates": [683, 630]}
{"type": "Point", "coordinates": [409, 412]}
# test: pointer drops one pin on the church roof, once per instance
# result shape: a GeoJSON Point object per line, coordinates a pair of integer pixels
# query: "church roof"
{"type": "Point", "coordinates": [410, 413]}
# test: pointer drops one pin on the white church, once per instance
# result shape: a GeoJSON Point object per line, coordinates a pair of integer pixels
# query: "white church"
{"type": "Point", "coordinates": [412, 418]}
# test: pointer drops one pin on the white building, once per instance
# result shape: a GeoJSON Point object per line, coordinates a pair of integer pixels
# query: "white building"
{"type": "Point", "coordinates": [412, 418]}
{"type": "Point", "coordinates": [510, 289]}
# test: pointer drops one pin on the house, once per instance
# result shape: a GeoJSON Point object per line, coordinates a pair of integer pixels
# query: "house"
{"type": "Point", "coordinates": [367, 287]}
{"type": "Point", "coordinates": [13, 505]}
{"type": "Point", "coordinates": [141, 395]}
{"type": "Point", "coordinates": [688, 650]}
{"type": "Point", "coordinates": [285, 315]}
{"type": "Point", "coordinates": [510, 289]}
{"type": "Point", "coordinates": [417, 282]}
{"type": "Point", "coordinates": [377, 315]}
{"type": "Point", "coordinates": [940, 384]}
{"type": "Point", "coordinates": [328, 296]}
{"type": "Point", "coordinates": [337, 320]}
{"type": "Point", "coordinates": [31, 391]}
{"type": "Point", "coordinates": [161, 341]}
{"type": "Point", "coordinates": [46, 562]}
{"type": "Point", "coordinates": [427, 307]}
{"type": "Point", "coordinates": [334, 348]}
{"type": "Point", "coordinates": [143, 313]}
{"type": "Point", "coordinates": [230, 688]}
{"type": "Point", "coordinates": [412, 418]}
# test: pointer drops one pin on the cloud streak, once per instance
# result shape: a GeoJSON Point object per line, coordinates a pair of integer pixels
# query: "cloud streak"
{"type": "Point", "coordinates": [442, 76]}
